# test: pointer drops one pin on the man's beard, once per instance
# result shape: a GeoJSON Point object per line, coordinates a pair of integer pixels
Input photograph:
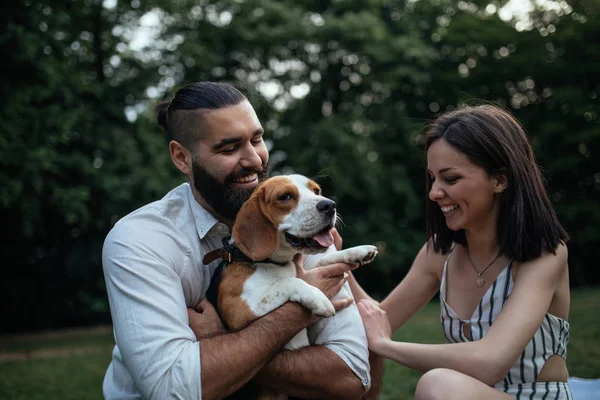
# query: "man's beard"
{"type": "Point", "coordinates": [224, 199]}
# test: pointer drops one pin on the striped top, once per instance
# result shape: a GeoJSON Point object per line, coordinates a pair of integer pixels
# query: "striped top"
{"type": "Point", "coordinates": [550, 339]}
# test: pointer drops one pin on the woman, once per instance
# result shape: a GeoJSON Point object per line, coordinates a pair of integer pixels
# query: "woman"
{"type": "Point", "coordinates": [497, 254]}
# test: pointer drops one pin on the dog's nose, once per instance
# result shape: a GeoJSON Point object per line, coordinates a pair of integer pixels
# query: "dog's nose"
{"type": "Point", "coordinates": [327, 207]}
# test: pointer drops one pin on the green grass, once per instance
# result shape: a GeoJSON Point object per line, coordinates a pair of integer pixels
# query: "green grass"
{"type": "Point", "coordinates": [583, 351]}
{"type": "Point", "coordinates": [75, 377]}
{"type": "Point", "coordinates": [71, 364]}
{"type": "Point", "coordinates": [76, 339]}
{"type": "Point", "coordinates": [61, 375]}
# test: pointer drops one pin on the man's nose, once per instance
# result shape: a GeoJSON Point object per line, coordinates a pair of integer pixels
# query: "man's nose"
{"type": "Point", "coordinates": [251, 158]}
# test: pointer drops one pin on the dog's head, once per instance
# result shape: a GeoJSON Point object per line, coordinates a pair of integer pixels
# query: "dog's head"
{"type": "Point", "coordinates": [285, 215]}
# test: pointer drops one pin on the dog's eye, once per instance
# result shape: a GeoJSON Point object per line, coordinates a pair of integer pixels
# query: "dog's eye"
{"type": "Point", "coordinates": [285, 197]}
{"type": "Point", "coordinates": [317, 191]}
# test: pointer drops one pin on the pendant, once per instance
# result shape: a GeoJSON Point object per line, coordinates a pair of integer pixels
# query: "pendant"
{"type": "Point", "coordinates": [480, 281]}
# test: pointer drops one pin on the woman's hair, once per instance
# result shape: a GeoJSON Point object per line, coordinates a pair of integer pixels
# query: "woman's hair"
{"type": "Point", "coordinates": [495, 141]}
{"type": "Point", "coordinates": [180, 118]}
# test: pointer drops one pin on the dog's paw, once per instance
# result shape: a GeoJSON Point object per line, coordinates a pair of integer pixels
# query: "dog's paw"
{"type": "Point", "coordinates": [319, 304]}
{"type": "Point", "coordinates": [312, 298]}
{"type": "Point", "coordinates": [364, 254]}
{"type": "Point", "coordinates": [354, 255]}
{"type": "Point", "coordinates": [324, 309]}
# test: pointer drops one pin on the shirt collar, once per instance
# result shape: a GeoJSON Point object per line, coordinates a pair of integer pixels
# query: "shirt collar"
{"type": "Point", "coordinates": [204, 220]}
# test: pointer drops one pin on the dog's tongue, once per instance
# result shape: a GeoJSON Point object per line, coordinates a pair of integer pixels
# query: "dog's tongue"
{"type": "Point", "coordinates": [325, 239]}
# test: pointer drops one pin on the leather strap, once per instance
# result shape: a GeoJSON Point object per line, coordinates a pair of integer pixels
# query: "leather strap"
{"type": "Point", "coordinates": [230, 253]}
{"type": "Point", "coordinates": [215, 255]}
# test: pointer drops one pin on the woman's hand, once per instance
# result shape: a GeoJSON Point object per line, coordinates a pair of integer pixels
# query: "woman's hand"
{"type": "Point", "coordinates": [376, 324]}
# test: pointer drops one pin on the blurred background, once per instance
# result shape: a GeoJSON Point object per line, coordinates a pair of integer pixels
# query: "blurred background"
{"type": "Point", "coordinates": [343, 88]}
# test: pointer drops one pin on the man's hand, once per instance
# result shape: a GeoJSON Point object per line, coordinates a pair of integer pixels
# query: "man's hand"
{"type": "Point", "coordinates": [329, 279]}
{"type": "Point", "coordinates": [205, 321]}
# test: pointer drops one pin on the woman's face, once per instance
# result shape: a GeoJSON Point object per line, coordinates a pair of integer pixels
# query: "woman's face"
{"type": "Point", "coordinates": [464, 191]}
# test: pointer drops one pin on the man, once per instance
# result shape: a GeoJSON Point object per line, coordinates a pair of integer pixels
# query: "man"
{"type": "Point", "coordinates": [169, 340]}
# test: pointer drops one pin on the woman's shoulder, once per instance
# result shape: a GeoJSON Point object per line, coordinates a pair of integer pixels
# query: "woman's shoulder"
{"type": "Point", "coordinates": [431, 259]}
{"type": "Point", "coordinates": [561, 251]}
{"type": "Point", "coordinates": [559, 256]}
{"type": "Point", "coordinates": [549, 263]}
{"type": "Point", "coordinates": [430, 250]}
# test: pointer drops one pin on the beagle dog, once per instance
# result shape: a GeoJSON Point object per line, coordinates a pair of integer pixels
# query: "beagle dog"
{"type": "Point", "coordinates": [284, 216]}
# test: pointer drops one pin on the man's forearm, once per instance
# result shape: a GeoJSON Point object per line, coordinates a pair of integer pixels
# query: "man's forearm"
{"type": "Point", "coordinates": [312, 372]}
{"type": "Point", "coordinates": [229, 361]}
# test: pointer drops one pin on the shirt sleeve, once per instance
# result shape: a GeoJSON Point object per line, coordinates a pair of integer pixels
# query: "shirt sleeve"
{"type": "Point", "coordinates": [344, 334]}
{"type": "Point", "coordinates": [148, 307]}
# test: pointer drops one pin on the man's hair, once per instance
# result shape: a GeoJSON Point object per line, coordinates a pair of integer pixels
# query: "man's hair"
{"type": "Point", "coordinates": [495, 141]}
{"type": "Point", "coordinates": [181, 117]}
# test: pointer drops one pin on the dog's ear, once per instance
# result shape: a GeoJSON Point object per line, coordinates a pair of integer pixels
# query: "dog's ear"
{"type": "Point", "coordinates": [254, 233]}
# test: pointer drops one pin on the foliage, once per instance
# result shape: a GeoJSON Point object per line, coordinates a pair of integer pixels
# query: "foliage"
{"type": "Point", "coordinates": [71, 162]}
{"type": "Point", "coordinates": [343, 89]}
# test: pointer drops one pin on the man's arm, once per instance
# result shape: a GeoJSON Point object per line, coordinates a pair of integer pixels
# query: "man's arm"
{"type": "Point", "coordinates": [290, 372]}
{"type": "Point", "coordinates": [312, 372]}
{"type": "Point", "coordinates": [229, 361]}
{"type": "Point", "coordinates": [294, 372]}
{"type": "Point", "coordinates": [335, 367]}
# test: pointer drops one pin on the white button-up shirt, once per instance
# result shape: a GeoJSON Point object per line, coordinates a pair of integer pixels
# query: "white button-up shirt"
{"type": "Point", "coordinates": [152, 260]}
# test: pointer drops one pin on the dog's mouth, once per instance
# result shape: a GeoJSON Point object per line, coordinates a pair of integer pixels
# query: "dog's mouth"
{"type": "Point", "coordinates": [321, 240]}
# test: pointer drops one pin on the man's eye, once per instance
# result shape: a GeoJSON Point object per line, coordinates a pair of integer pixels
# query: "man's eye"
{"type": "Point", "coordinates": [257, 141]}
{"type": "Point", "coordinates": [285, 197]}
{"type": "Point", "coordinates": [229, 150]}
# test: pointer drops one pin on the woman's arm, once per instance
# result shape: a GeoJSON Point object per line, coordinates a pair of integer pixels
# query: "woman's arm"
{"type": "Point", "coordinates": [417, 288]}
{"type": "Point", "coordinates": [357, 291]}
{"type": "Point", "coordinates": [490, 358]}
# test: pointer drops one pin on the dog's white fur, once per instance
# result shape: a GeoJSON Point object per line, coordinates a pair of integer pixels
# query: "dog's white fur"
{"type": "Point", "coordinates": [250, 290]}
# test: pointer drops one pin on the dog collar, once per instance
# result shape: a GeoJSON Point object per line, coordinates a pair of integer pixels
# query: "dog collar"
{"type": "Point", "coordinates": [230, 253]}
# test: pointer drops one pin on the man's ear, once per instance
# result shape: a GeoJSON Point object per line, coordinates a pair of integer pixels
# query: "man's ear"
{"type": "Point", "coordinates": [181, 157]}
{"type": "Point", "coordinates": [501, 181]}
{"type": "Point", "coordinates": [254, 233]}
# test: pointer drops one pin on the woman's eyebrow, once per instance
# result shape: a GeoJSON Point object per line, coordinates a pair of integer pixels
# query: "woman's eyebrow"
{"type": "Point", "coordinates": [441, 171]}
{"type": "Point", "coordinates": [446, 169]}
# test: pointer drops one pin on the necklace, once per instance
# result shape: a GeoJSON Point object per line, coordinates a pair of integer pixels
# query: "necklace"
{"type": "Point", "coordinates": [480, 281]}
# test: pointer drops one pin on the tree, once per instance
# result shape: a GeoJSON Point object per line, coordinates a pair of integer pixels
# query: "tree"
{"type": "Point", "coordinates": [72, 164]}
{"type": "Point", "coordinates": [343, 89]}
